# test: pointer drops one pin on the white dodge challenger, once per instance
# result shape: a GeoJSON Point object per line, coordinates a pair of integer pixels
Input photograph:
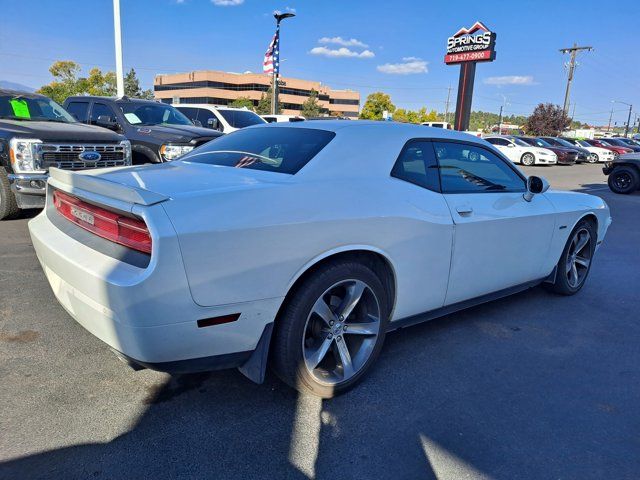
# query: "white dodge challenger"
{"type": "Point", "coordinates": [300, 245]}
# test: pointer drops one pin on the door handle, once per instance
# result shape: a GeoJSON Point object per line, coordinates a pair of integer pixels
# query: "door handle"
{"type": "Point", "coordinates": [464, 211]}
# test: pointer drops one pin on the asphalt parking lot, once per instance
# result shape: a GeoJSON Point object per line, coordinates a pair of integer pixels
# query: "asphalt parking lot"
{"type": "Point", "coordinates": [533, 386]}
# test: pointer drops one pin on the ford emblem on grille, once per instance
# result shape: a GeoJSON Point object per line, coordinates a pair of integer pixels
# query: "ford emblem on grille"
{"type": "Point", "coordinates": [90, 156]}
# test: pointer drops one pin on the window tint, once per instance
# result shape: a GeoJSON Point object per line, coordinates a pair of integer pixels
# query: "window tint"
{"type": "Point", "coordinates": [417, 164]}
{"type": "Point", "coordinates": [240, 118]}
{"type": "Point", "coordinates": [205, 115]}
{"type": "Point", "coordinates": [79, 110]}
{"type": "Point", "coordinates": [498, 141]}
{"type": "Point", "coordinates": [466, 168]}
{"type": "Point", "coordinates": [283, 150]}
{"type": "Point", "coordinates": [189, 112]}
{"type": "Point", "coordinates": [99, 110]}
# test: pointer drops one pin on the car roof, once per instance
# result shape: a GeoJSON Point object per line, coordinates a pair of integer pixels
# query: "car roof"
{"type": "Point", "coordinates": [8, 91]}
{"type": "Point", "coordinates": [112, 99]}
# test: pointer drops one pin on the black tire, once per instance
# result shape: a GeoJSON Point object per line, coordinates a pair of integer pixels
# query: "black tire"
{"type": "Point", "coordinates": [562, 283]}
{"type": "Point", "coordinates": [624, 180]}
{"type": "Point", "coordinates": [8, 205]}
{"type": "Point", "coordinates": [291, 327]}
{"type": "Point", "coordinates": [528, 159]}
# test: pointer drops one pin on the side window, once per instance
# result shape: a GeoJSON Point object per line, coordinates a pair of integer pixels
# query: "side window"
{"type": "Point", "coordinates": [99, 110]}
{"type": "Point", "coordinates": [417, 164]}
{"type": "Point", "coordinates": [79, 110]}
{"type": "Point", "coordinates": [205, 115]}
{"type": "Point", "coordinates": [189, 112]}
{"type": "Point", "coordinates": [498, 141]}
{"type": "Point", "coordinates": [467, 168]}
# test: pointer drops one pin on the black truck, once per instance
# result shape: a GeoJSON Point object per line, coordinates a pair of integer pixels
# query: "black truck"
{"type": "Point", "coordinates": [158, 132]}
{"type": "Point", "coordinates": [35, 134]}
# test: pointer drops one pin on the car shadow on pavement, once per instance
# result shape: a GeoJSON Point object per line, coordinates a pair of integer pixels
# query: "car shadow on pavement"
{"type": "Point", "coordinates": [497, 391]}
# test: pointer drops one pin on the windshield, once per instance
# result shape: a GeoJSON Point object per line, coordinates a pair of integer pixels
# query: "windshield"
{"type": "Point", "coordinates": [283, 150]}
{"type": "Point", "coordinates": [583, 143]}
{"type": "Point", "coordinates": [149, 113]}
{"type": "Point", "coordinates": [30, 108]}
{"type": "Point", "coordinates": [241, 118]}
{"type": "Point", "coordinates": [563, 143]}
{"type": "Point", "coordinates": [538, 142]}
{"type": "Point", "coordinates": [519, 142]}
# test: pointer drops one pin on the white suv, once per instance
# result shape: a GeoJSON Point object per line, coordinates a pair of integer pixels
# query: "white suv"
{"type": "Point", "coordinates": [223, 119]}
{"type": "Point", "coordinates": [521, 152]}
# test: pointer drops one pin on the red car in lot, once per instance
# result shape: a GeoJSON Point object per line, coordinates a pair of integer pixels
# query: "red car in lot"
{"type": "Point", "coordinates": [617, 150]}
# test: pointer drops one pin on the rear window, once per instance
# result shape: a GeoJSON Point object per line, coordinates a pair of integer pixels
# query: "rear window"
{"type": "Point", "coordinates": [273, 149]}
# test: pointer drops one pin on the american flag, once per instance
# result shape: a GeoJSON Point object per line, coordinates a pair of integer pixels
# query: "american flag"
{"type": "Point", "coordinates": [271, 62]}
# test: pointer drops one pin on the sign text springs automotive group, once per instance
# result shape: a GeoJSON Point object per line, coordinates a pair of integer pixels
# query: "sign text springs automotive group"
{"type": "Point", "coordinates": [468, 46]}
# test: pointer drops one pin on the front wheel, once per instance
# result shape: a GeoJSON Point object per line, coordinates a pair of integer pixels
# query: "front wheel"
{"type": "Point", "coordinates": [575, 262]}
{"type": "Point", "coordinates": [8, 205]}
{"type": "Point", "coordinates": [528, 159]}
{"type": "Point", "coordinates": [594, 158]}
{"type": "Point", "coordinates": [624, 180]}
{"type": "Point", "coordinates": [331, 330]}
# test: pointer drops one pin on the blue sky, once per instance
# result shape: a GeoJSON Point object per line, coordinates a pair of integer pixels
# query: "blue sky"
{"type": "Point", "coordinates": [405, 43]}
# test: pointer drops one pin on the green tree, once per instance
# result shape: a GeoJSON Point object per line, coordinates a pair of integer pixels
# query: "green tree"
{"type": "Point", "coordinates": [132, 86]}
{"type": "Point", "coordinates": [547, 119]}
{"type": "Point", "coordinates": [311, 108]}
{"type": "Point", "coordinates": [375, 105]}
{"type": "Point", "coordinates": [242, 102]}
{"type": "Point", "coordinates": [65, 80]}
{"type": "Point", "coordinates": [264, 104]}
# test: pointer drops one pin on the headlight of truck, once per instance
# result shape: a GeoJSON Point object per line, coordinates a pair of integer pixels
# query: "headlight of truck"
{"type": "Point", "coordinates": [127, 151]}
{"type": "Point", "coordinates": [172, 152]}
{"type": "Point", "coordinates": [24, 156]}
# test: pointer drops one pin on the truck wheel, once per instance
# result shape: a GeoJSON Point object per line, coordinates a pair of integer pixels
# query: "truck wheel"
{"type": "Point", "coordinates": [8, 206]}
{"type": "Point", "coordinates": [624, 179]}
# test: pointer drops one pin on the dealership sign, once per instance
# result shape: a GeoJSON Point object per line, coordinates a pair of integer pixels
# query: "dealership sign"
{"type": "Point", "coordinates": [476, 44]}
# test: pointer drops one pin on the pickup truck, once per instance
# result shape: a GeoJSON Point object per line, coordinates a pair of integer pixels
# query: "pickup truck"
{"type": "Point", "coordinates": [35, 134]}
{"type": "Point", "coordinates": [157, 131]}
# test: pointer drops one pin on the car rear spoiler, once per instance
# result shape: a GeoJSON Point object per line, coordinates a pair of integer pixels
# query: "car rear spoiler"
{"type": "Point", "coordinates": [68, 181]}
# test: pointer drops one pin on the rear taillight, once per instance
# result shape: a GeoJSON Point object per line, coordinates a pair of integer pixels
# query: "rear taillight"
{"type": "Point", "coordinates": [127, 231]}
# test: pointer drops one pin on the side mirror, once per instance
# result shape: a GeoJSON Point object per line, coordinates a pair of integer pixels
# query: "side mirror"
{"type": "Point", "coordinates": [511, 145]}
{"type": "Point", "coordinates": [213, 123]}
{"type": "Point", "coordinates": [107, 122]}
{"type": "Point", "coordinates": [535, 186]}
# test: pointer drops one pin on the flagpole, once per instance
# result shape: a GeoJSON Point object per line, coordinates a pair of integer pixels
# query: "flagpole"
{"type": "Point", "coordinates": [276, 65]}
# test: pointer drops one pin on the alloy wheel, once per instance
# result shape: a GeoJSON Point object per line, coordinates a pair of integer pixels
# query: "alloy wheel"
{"type": "Point", "coordinates": [341, 332]}
{"type": "Point", "coordinates": [578, 257]}
{"type": "Point", "coordinates": [528, 159]}
{"type": "Point", "coordinates": [594, 158]}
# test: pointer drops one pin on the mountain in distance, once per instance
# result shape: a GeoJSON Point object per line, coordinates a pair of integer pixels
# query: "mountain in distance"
{"type": "Point", "coordinates": [16, 86]}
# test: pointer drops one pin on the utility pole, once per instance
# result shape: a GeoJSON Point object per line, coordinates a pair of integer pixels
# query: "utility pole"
{"type": "Point", "coordinates": [500, 121]}
{"type": "Point", "coordinates": [610, 117]}
{"type": "Point", "coordinates": [118, 37]}
{"type": "Point", "coordinates": [626, 127]}
{"type": "Point", "coordinates": [573, 51]}
{"type": "Point", "coordinates": [446, 108]}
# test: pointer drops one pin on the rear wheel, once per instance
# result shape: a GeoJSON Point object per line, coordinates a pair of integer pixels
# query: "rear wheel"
{"type": "Point", "coordinates": [624, 179]}
{"type": "Point", "coordinates": [8, 205]}
{"type": "Point", "coordinates": [331, 330]}
{"type": "Point", "coordinates": [575, 262]}
{"type": "Point", "coordinates": [528, 159]}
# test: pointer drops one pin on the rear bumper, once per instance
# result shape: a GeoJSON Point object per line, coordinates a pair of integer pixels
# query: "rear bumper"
{"type": "Point", "coordinates": [146, 314]}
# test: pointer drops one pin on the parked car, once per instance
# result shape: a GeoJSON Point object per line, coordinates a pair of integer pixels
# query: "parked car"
{"type": "Point", "coordinates": [157, 131]}
{"type": "Point", "coordinates": [623, 173]}
{"type": "Point", "coordinates": [583, 154]}
{"type": "Point", "coordinates": [598, 154]}
{"type": "Point", "coordinates": [223, 119]}
{"type": "Point", "coordinates": [602, 143]}
{"type": "Point", "coordinates": [624, 142]}
{"type": "Point", "coordinates": [218, 262]}
{"type": "Point", "coordinates": [445, 125]}
{"type": "Point", "coordinates": [565, 155]}
{"type": "Point", "coordinates": [521, 152]}
{"type": "Point", "coordinates": [283, 118]}
{"type": "Point", "coordinates": [35, 134]}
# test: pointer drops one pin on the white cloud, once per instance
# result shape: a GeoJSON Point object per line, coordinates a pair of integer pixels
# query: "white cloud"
{"type": "Point", "coordinates": [227, 3]}
{"type": "Point", "coordinates": [341, 52]}
{"type": "Point", "coordinates": [510, 80]}
{"type": "Point", "coordinates": [408, 66]}
{"type": "Point", "coordinates": [351, 42]}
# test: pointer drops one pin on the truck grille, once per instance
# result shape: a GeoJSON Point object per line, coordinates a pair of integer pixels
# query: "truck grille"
{"type": "Point", "coordinates": [67, 157]}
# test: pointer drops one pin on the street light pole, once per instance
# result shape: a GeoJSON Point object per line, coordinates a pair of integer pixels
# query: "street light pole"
{"type": "Point", "coordinates": [626, 128]}
{"type": "Point", "coordinates": [276, 59]}
{"type": "Point", "coordinates": [118, 38]}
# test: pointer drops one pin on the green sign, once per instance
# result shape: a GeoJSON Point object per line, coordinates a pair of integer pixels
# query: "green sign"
{"type": "Point", "coordinates": [20, 108]}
